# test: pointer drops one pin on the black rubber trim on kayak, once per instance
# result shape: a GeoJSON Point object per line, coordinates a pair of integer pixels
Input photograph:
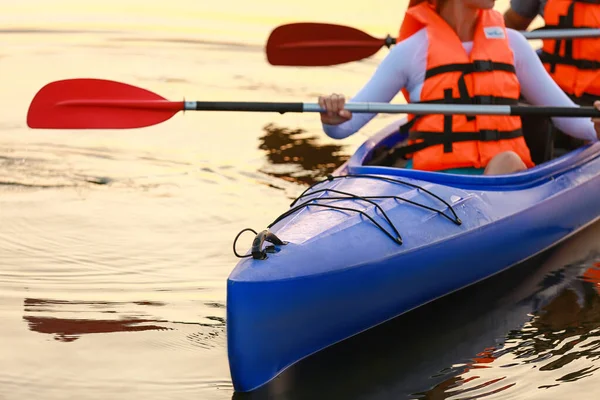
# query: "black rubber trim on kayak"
{"type": "Point", "coordinates": [257, 251]}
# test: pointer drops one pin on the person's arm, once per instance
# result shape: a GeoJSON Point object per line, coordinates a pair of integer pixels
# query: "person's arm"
{"type": "Point", "coordinates": [596, 121]}
{"type": "Point", "coordinates": [515, 21]}
{"type": "Point", "coordinates": [520, 14]}
{"type": "Point", "coordinates": [390, 77]}
{"type": "Point", "coordinates": [539, 88]}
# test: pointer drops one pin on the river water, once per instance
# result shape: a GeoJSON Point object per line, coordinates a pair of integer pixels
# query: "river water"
{"type": "Point", "coordinates": [115, 245]}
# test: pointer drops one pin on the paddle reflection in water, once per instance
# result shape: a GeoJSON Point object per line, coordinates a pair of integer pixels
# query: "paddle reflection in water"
{"type": "Point", "coordinates": [297, 157]}
{"type": "Point", "coordinates": [70, 329]}
{"type": "Point", "coordinates": [532, 329]}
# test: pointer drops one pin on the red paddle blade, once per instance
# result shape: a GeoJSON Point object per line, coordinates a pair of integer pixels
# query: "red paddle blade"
{"type": "Point", "coordinates": [97, 104]}
{"type": "Point", "coordinates": [316, 44]}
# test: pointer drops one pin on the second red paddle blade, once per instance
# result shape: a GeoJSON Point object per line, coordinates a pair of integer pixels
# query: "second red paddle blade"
{"type": "Point", "coordinates": [317, 44]}
{"type": "Point", "coordinates": [96, 104]}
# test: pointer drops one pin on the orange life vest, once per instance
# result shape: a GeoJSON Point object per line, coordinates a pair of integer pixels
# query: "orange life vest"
{"type": "Point", "coordinates": [573, 64]}
{"type": "Point", "coordinates": [439, 142]}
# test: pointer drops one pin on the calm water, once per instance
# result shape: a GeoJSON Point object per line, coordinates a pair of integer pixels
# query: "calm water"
{"type": "Point", "coordinates": [115, 245]}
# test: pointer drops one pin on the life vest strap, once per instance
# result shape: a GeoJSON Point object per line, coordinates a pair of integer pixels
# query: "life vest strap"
{"type": "Point", "coordinates": [484, 135]}
{"type": "Point", "coordinates": [478, 100]}
{"type": "Point", "coordinates": [469, 68]}
{"type": "Point", "coordinates": [554, 59]}
{"type": "Point", "coordinates": [587, 1]}
{"type": "Point", "coordinates": [586, 99]}
{"type": "Point", "coordinates": [436, 138]}
{"type": "Point", "coordinates": [566, 26]}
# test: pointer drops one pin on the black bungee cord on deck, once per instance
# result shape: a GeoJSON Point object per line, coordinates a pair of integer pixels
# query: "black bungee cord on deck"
{"type": "Point", "coordinates": [266, 235]}
{"type": "Point", "coordinates": [456, 220]}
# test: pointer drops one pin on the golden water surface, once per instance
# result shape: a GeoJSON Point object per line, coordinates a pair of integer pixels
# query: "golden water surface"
{"type": "Point", "coordinates": [115, 245]}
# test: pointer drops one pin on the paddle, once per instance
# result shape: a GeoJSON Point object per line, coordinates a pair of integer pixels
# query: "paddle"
{"type": "Point", "coordinates": [104, 104]}
{"type": "Point", "coordinates": [320, 44]}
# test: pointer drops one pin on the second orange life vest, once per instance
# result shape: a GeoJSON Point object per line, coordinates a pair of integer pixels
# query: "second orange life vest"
{"type": "Point", "coordinates": [573, 64]}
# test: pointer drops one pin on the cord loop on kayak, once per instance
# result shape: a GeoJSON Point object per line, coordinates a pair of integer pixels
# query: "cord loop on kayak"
{"type": "Point", "coordinates": [236, 239]}
{"type": "Point", "coordinates": [258, 253]}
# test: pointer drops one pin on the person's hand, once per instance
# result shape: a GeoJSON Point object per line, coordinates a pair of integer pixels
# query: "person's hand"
{"type": "Point", "coordinates": [336, 114]}
{"type": "Point", "coordinates": [596, 121]}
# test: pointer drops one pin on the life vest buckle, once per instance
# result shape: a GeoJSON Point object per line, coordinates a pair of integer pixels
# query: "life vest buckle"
{"type": "Point", "coordinates": [488, 135]}
{"type": "Point", "coordinates": [483, 66]}
{"type": "Point", "coordinates": [483, 100]}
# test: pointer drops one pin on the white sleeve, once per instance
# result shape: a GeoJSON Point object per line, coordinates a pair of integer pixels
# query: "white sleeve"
{"type": "Point", "coordinates": [539, 88]}
{"type": "Point", "coordinates": [390, 77]}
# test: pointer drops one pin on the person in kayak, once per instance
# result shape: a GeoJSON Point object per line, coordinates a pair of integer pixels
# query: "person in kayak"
{"type": "Point", "coordinates": [573, 64]}
{"type": "Point", "coordinates": [459, 51]}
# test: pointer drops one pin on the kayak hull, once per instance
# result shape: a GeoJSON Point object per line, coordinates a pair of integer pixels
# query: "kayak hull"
{"type": "Point", "coordinates": [340, 274]}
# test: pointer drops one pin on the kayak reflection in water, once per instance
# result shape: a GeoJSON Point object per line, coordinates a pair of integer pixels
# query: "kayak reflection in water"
{"type": "Point", "coordinates": [459, 52]}
{"type": "Point", "coordinates": [560, 332]}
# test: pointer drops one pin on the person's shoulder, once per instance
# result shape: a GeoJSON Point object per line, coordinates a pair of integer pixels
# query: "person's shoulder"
{"type": "Point", "coordinates": [418, 35]}
{"type": "Point", "coordinates": [515, 37]}
{"type": "Point", "coordinates": [520, 47]}
{"type": "Point", "coordinates": [414, 41]}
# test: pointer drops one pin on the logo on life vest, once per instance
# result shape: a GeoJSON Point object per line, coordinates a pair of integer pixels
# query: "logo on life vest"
{"type": "Point", "coordinates": [494, 32]}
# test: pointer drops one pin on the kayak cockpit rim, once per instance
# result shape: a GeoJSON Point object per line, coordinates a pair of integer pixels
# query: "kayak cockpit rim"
{"type": "Point", "coordinates": [516, 181]}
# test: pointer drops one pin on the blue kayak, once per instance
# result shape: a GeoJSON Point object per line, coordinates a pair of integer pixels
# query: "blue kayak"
{"type": "Point", "coordinates": [373, 242]}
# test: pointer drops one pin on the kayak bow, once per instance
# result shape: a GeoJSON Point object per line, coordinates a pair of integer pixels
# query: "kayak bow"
{"type": "Point", "coordinates": [338, 270]}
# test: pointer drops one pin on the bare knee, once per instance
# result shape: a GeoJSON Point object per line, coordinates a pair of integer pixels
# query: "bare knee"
{"type": "Point", "coordinates": [507, 162]}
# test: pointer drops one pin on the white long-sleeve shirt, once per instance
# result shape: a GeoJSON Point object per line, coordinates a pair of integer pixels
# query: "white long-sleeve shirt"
{"type": "Point", "coordinates": [405, 66]}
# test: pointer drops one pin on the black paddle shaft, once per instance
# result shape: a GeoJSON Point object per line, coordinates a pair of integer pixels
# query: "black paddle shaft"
{"type": "Point", "coordinates": [247, 106]}
{"type": "Point", "coordinates": [555, 111]}
{"type": "Point", "coordinates": [412, 108]}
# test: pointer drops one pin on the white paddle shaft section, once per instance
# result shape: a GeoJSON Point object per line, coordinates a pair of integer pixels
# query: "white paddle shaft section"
{"type": "Point", "coordinates": [562, 34]}
{"type": "Point", "coordinates": [417, 109]}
